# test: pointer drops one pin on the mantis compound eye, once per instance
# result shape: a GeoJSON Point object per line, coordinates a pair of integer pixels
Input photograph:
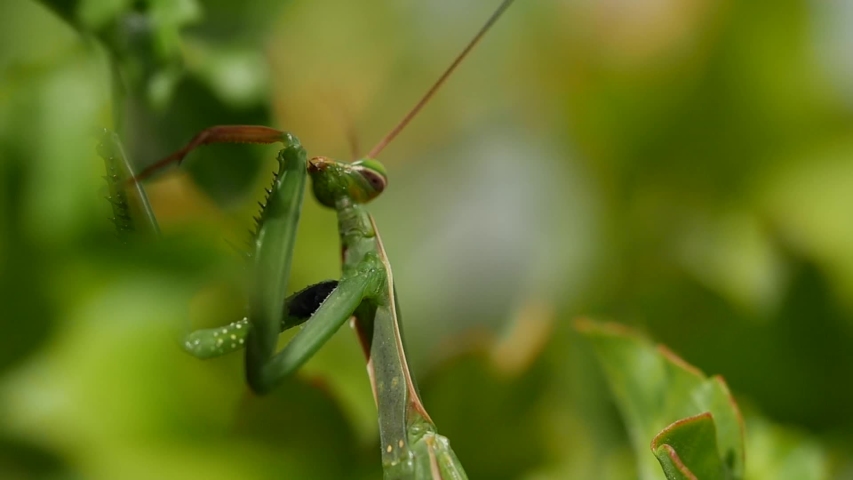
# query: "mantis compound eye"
{"type": "Point", "coordinates": [372, 171]}
{"type": "Point", "coordinates": [376, 181]}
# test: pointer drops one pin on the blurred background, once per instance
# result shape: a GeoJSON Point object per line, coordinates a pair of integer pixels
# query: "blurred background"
{"type": "Point", "coordinates": [684, 167]}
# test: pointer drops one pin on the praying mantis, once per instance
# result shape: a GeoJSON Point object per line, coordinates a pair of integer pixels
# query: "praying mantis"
{"type": "Point", "coordinates": [411, 446]}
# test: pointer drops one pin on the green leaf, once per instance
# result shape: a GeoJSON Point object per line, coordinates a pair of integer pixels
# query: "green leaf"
{"type": "Point", "coordinates": [687, 449]}
{"type": "Point", "coordinates": [655, 390]}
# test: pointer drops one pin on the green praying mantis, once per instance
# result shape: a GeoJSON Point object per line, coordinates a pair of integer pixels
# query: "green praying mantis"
{"type": "Point", "coordinates": [411, 446]}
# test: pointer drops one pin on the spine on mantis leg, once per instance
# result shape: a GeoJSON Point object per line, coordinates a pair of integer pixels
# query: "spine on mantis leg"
{"type": "Point", "coordinates": [131, 210]}
{"type": "Point", "coordinates": [214, 342]}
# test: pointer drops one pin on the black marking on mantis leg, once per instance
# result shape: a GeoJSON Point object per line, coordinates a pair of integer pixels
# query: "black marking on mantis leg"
{"type": "Point", "coordinates": [305, 302]}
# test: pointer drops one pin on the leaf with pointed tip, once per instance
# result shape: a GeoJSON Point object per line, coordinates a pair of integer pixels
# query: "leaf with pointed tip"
{"type": "Point", "coordinates": [656, 391]}
{"type": "Point", "coordinates": [687, 449]}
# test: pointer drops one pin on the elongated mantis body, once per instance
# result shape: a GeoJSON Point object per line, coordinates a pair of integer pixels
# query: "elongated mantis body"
{"type": "Point", "coordinates": [411, 448]}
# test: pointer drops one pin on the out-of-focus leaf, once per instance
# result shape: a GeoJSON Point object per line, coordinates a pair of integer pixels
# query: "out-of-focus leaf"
{"type": "Point", "coordinates": [223, 172]}
{"type": "Point", "coordinates": [471, 404]}
{"type": "Point", "coordinates": [687, 449]}
{"type": "Point", "coordinates": [238, 76]}
{"type": "Point", "coordinates": [197, 420]}
{"type": "Point", "coordinates": [810, 201]}
{"type": "Point", "coordinates": [735, 256]}
{"type": "Point", "coordinates": [278, 422]}
{"type": "Point", "coordinates": [783, 454]}
{"type": "Point", "coordinates": [49, 89]}
{"type": "Point", "coordinates": [23, 460]}
{"type": "Point", "coordinates": [654, 388]}
{"type": "Point", "coordinates": [28, 310]}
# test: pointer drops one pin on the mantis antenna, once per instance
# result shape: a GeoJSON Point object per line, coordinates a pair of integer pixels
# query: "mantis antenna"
{"type": "Point", "coordinates": [431, 92]}
{"type": "Point", "coordinates": [259, 134]}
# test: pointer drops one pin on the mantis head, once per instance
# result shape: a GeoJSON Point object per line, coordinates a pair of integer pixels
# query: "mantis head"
{"type": "Point", "coordinates": [361, 181]}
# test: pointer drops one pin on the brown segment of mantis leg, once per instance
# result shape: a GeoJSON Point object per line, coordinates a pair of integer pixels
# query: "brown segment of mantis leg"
{"type": "Point", "coordinates": [217, 134]}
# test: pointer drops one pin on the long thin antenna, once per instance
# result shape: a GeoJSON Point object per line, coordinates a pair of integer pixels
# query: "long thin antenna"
{"type": "Point", "coordinates": [423, 101]}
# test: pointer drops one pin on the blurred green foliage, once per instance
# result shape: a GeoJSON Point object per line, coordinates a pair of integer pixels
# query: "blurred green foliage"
{"type": "Point", "coordinates": [684, 167]}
